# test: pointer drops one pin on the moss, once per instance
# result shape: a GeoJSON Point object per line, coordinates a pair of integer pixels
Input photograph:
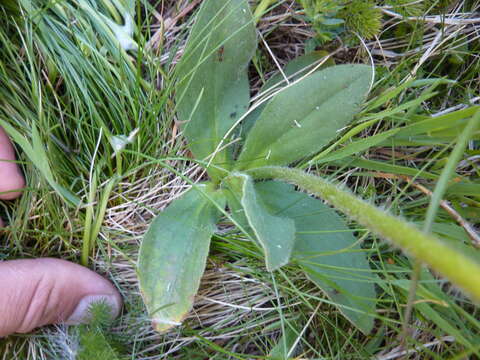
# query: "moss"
{"type": "Point", "coordinates": [329, 18]}
{"type": "Point", "coordinates": [95, 341]}
{"type": "Point", "coordinates": [363, 17]}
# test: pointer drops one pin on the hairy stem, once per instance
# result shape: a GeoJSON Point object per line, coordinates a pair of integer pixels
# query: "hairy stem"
{"type": "Point", "coordinates": [459, 268]}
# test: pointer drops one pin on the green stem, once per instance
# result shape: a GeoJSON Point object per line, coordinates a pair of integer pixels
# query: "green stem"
{"type": "Point", "coordinates": [459, 268]}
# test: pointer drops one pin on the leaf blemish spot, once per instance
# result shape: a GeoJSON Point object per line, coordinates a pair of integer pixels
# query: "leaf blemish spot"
{"type": "Point", "coordinates": [221, 52]}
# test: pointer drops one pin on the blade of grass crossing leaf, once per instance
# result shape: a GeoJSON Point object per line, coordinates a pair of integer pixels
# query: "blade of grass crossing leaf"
{"type": "Point", "coordinates": [347, 136]}
{"type": "Point", "coordinates": [356, 147]}
{"type": "Point", "coordinates": [400, 109]}
{"type": "Point", "coordinates": [297, 68]}
{"type": "Point", "coordinates": [387, 96]}
{"type": "Point", "coordinates": [294, 70]}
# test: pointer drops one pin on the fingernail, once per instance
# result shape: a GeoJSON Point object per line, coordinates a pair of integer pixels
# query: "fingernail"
{"type": "Point", "coordinates": [82, 315]}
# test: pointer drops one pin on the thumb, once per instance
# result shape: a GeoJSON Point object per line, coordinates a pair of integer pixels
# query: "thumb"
{"type": "Point", "coordinates": [11, 179]}
{"type": "Point", "coordinates": [45, 291]}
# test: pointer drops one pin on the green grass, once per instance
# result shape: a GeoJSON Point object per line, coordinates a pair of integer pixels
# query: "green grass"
{"type": "Point", "coordinates": [72, 93]}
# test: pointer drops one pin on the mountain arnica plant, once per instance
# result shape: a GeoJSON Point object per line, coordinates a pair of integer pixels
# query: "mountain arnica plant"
{"type": "Point", "coordinates": [246, 152]}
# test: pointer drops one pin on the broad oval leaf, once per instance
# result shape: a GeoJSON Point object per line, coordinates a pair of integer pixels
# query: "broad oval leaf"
{"type": "Point", "coordinates": [213, 90]}
{"type": "Point", "coordinates": [173, 256]}
{"type": "Point", "coordinates": [294, 70]}
{"type": "Point", "coordinates": [327, 251]}
{"type": "Point", "coordinates": [275, 234]}
{"type": "Point", "coordinates": [305, 116]}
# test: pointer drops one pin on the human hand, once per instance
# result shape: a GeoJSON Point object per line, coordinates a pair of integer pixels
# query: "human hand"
{"type": "Point", "coordinates": [38, 292]}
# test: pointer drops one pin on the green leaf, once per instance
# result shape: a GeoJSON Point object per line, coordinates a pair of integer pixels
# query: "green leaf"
{"type": "Point", "coordinates": [298, 67]}
{"type": "Point", "coordinates": [327, 251]}
{"type": "Point", "coordinates": [294, 70]}
{"type": "Point", "coordinates": [305, 116]}
{"type": "Point", "coordinates": [213, 90]}
{"type": "Point", "coordinates": [173, 255]}
{"type": "Point", "coordinates": [275, 234]}
{"type": "Point", "coordinates": [237, 213]}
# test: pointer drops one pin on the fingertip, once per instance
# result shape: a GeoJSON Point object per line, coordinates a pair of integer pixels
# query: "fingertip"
{"type": "Point", "coordinates": [11, 187]}
{"type": "Point", "coordinates": [45, 291]}
{"type": "Point", "coordinates": [11, 178]}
